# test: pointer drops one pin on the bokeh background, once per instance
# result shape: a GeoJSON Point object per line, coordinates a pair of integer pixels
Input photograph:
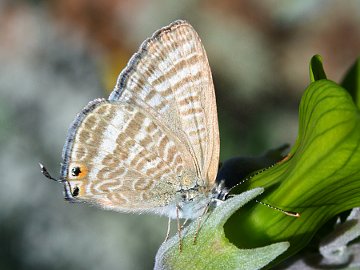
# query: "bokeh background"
{"type": "Point", "coordinates": [56, 56]}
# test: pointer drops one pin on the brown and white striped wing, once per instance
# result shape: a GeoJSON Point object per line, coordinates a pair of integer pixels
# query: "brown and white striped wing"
{"type": "Point", "coordinates": [170, 77]}
{"type": "Point", "coordinates": [157, 134]}
{"type": "Point", "coordinates": [127, 160]}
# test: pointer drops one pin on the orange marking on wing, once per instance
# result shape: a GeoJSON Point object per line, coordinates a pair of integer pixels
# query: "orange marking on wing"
{"type": "Point", "coordinates": [83, 171]}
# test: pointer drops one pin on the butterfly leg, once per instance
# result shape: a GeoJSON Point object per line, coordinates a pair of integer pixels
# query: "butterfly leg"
{"type": "Point", "coordinates": [169, 225]}
{"type": "Point", "coordinates": [206, 209]}
{"type": "Point", "coordinates": [179, 227]}
{"type": "Point", "coordinates": [168, 230]}
{"type": "Point", "coordinates": [184, 223]}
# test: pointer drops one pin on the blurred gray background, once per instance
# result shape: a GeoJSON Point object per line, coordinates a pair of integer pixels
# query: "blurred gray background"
{"type": "Point", "coordinates": [56, 56]}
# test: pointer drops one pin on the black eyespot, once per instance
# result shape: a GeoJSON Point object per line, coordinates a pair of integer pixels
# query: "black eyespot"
{"type": "Point", "coordinates": [75, 192]}
{"type": "Point", "coordinates": [75, 171]}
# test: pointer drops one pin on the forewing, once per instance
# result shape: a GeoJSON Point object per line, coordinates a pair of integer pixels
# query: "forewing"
{"type": "Point", "coordinates": [171, 79]}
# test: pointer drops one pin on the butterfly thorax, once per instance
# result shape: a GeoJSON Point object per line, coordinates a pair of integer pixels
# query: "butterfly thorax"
{"type": "Point", "coordinates": [188, 196]}
{"type": "Point", "coordinates": [189, 204]}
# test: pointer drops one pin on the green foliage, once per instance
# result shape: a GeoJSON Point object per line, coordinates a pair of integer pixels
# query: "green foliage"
{"type": "Point", "coordinates": [319, 179]}
{"type": "Point", "coordinates": [316, 69]}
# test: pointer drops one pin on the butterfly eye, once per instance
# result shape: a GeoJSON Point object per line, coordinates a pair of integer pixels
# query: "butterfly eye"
{"type": "Point", "coordinates": [75, 171]}
{"type": "Point", "coordinates": [75, 192]}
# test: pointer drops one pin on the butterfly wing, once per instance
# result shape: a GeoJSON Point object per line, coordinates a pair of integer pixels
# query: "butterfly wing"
{"type": "Point", "coordinates": [123, 158]}
{"type": "Point", "coordinates": [170, 77]}
{"type": "Point", "coordinates": [157, 133]}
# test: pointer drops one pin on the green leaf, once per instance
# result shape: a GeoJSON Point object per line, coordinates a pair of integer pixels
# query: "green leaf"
{"type": "Point", "coordinates": [319, 179]}
{"type": "Point", "coordinates": [351, 82]}
{"type": "Point", "coordinates": [212, 250]}
{"type": "Point", "coordinates": [316, 69]}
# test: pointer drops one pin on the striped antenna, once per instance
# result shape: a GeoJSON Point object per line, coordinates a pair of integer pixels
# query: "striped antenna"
{"type": "Point", "coordinates": [45, 172]}
{"type": "Point", "coordinates": [288, 213]}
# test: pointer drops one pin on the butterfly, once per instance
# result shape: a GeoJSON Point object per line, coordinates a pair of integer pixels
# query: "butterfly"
{"type": "Point", "coordinates": [153, 145]}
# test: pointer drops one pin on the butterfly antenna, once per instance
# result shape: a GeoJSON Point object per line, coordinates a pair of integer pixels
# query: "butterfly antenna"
{"type": "Point", "coordinates": [288, 213]}
{"type": "Point", "coordinates": [45, 172]}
